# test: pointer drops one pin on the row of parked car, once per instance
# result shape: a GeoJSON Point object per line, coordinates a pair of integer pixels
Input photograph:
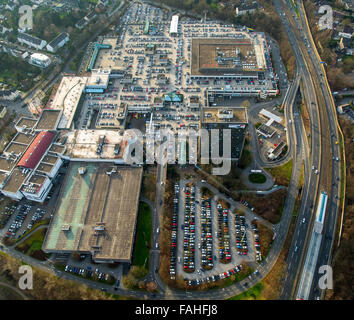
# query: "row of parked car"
{"type": "Point", "coordinates": [216, 277]}
{"type": "Point", "coordinates": [173, 253]}
{"type": "Point", "coordinates": [87, 272]}
{"type": "Point", "coordinates": [257, 243]}
{"type": "Point", "coordinates": [179, 62]}
{"type": "Point", "coordinates": [17, 223]}
{"type": "Point", "coordinates": [38, 215]}
{"type": "Point", "coordinates": [7, 213]}
{"type": "Point", "coordinates": [246, 204]}
{"type": "Point", "coordinates": [206, 235]}
{"type": "Point", "coordinates": [223, 234]}
{"type": "Point", "coordinates": [189, 229]}
{"type": "Point", "coordinates": [241, 235]}
{"type": "Point", "coordinates": [134, 97]}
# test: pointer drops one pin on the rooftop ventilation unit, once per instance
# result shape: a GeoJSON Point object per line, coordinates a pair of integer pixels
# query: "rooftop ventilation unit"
{"type": "Point", "coordinates": [99, 228]}
{"type": "Point", "coordinates": [65, 227]}
{"type": "Point", "coordinates": [82, 170]}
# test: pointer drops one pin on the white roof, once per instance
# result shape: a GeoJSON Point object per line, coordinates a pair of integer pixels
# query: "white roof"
{"type": "Point", "coordinates": [271, 116]}
{"type": "Point", "coordinates": [174, 24]}
{"type": "Point", "coordinates": [40, 56]}
{"type": "Point", "coordinates": [67, 98]}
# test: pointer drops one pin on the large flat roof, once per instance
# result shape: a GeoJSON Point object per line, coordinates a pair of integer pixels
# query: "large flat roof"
{"type": "Point", "coordinates": [34, 184]}
{"type": "Point", "coordinates": [50, 159]}
{"type": "Point", "coordinates": [215, 56]}
{"type": "Point", "coordinates": [23, 138]}
{"type": "Point", "coordinates": [48, 120]}
{"type": "Point", "coordinates": [83, 144]}
{"type": "Point", "coordinates": [224, 114]}
{"type": "Point", "coordinates": [93, 198]}
{"type": "Point", "coordinates": [15, 147]}
{"type": "Point", "coordinates": [45, 167]}
{"type": "Point", "coordinates": [270, 116]}
{"type": "Point", "coordinates": [26, 122]}
{"type": "Point", "coordinates": [57, 148]}
{"type": "Point", "coordinates": [227, 117]}
{"type": "Point", "coordinates": [3, 177]}
{"type": "Point", "coordinates": [6, 165]}
{"type": "Point", "coordinates": [15, 181]}
{"type": "Point", "coordinates": [98, 78]}
{"type": "Point", "coordinates": [67, 98]}
{"type": "Point", "coordinates": [174, 24]}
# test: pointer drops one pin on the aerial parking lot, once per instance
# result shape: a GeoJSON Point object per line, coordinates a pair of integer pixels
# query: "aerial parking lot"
{"type": "Point", "coordinates": [211, 239]}
{"type": "Point", "coordinates": [169, 76]}
{"type": "Point", "coordinates": [23, 217]}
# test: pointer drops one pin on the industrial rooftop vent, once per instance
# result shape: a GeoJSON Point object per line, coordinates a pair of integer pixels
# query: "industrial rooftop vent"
{"type": "Point", "coordinates": [99, 228]}
{"type": "Point", "coordinates": [65, 227]}
{"type": "Point", "coordinates": [82, 170]}
{"type": "Point", "coordinates": [113, 170]}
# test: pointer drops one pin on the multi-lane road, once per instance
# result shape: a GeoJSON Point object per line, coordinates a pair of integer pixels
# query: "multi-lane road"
{"type": "Point", "coordinates": [318, 153]}
{"type": "Point", "coordinates": [323, 149]}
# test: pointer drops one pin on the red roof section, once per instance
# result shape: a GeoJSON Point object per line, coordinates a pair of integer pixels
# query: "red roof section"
{"type": "Point", "coordinates": [36, 150]}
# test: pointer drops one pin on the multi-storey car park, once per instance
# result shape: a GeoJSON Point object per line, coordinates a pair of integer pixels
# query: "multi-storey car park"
{"type": "Point", "coordinates": [96, 213]}
{"type": "Point", "coordinates": [149, 75]}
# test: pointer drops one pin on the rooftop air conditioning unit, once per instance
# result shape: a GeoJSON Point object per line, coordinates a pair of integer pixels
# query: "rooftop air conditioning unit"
{"type": "Point", "coordinates": [65, 227]}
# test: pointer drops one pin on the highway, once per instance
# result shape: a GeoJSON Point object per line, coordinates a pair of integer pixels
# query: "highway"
{"type": "Point", "coordinates": [318, 153]}
{"type": "Point", "coordinates": [333, 202]}
{"type": "Point", "coordinates": [308, 194]}
{"type": "Point", "coordinates": [295, 132]}
{"type": "Point", "coordinates": [323, 148]}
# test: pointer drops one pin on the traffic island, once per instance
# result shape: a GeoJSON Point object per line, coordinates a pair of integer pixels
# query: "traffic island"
{"type": "Point", "coordinates": [257, 178]}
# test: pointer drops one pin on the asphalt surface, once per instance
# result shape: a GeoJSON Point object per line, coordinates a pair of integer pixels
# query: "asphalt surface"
{"type": "Point", "coordinates": [323, 148]}
{"type": "Point", "coordinates": [333, 204]}
{"type": "Point", "coordinates": [298, 152]}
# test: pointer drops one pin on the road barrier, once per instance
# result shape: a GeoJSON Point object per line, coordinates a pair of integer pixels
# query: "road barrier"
{"type": "Point", "coordinates": [336, 118]}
